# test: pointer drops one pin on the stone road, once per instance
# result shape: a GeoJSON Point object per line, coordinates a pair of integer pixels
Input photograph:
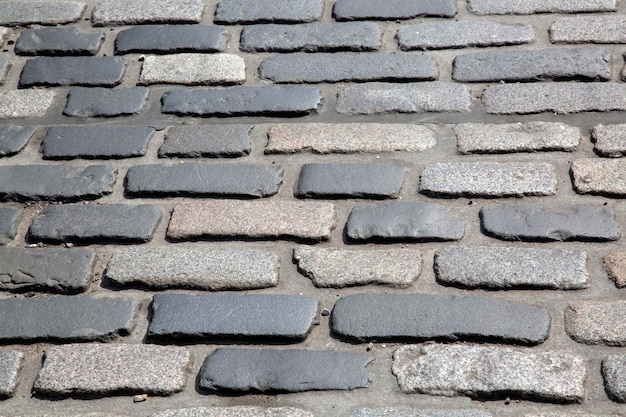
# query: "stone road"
{"type": "Point", "coordinates": [353, 208]}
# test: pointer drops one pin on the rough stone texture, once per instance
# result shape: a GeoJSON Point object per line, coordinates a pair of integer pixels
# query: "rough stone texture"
{"type": "Point", "coordinates": [102, 223]}
{"type": "Point", "coordinates": [204, 179]}
{"type": "Point", "coordinates": [171, 38]}
{"type": "Point", "coordinates": [3, 35]}
{"type": "Point", "coordinates": [349, 138]}
{"type": "Point", "coordinates": [56, 182]}
{"type": "Point", "coordinates": [25, 103]}
{"type": "Point", "coordinates": [207, 269]}
{"type": "Point", "coordinates": [236, 101]}
{"type": "Point", "coordinates": [279, 11]}
{"type": "Point", "coordinates": [242, 411]}
{"type": "Point", "coordinates": [355, 180]}
{"type": "Point", "coordinates": [614, 373]}
{"type": "Point", "coordinates": [600, 176]}
{"type": "Point", "coordinates": [489, 372]}
{"type": "Point", "coordinates": [532, 222]}
{"type": "Point", "coordinates": [610, 140]}
{"type": "Point", "coordinates": [401, 317]}
{"type": "Point", "coordinates": [372, 98]}
{"type": "Point", "coordinates": [615, 264]}
{"type": "Point", "coordinates": [414, 412]}
{"type": "Point", "coordinates": [593, 64]}
{"type": "Point", "coordinates": [489, 179]}
{"type": "Point", "coordinates": [5, 65]}
{"type": "Point", "coordinates": [14, 138]}
{"type": "Point", "coordinates": [288, 370]}
{"type": "Point", "coordinates": [55, 270]}
{"type": "Point", "coordinates": [392, 9]}
{"type": "Point", "coordinates": [121, 12]}
{"type": "Point", "coordinates": [589, 29]}
{"type": "Point", "coordinates": [62, 41]}
{"type": "Point", "coordinates": [403, 220]}
{"type": "Point", "coordinates": [10, 367]}
{"type": "Point", "coordinates": [67, 142]}
{"type": "Point", "coordinates": [349, 36]}
{"type": "Point", "coordinates": [516, 137]}
{"type": "Point", "coordinates": [9, 219]}
{"type": "Point", "coordinates": [228, 316]}
{"type": "Point", "coordinates": [72, 70]}
{"type": "Point", "coordinates": [557, 97]}
{"type": "Point", "coordinates": [66, 318]}
{"type": "Point", "coordinates": [227, 141]}
{"type": "Point", "coordinates": [21, 13]}
{"type": "Point", "coordinates": [461, 34]}
{"type": "Point", "coordinates": [484, 7]}
{"type": "Point", "coordinates": [503, 268]}
{"type": "Point", "coordinates": [252, 219]}
{"type": "Point", "coordinates": [336, 67]}
{"type": "Point", "coordinates": [596, 323]}
{"type": "Point", "coordinates": [103, 102]}
{"type": "Point", "coordinates": [99, 370]}
{"type": "Point", "coordinates": [330, 267]}
{"type": "Point", "coordinates": [193, 69]}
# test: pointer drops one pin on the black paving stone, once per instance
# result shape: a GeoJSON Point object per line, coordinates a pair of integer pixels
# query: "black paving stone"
{"type": "Point", "coordinates": [227, 141]}
{"type": "Point", "coordinates": [539, 223]}
{"type": "Point", "coordinates": [204, 179]}
{"type": "Point", "coordinates": [251, 316]}
{"type": "Point", "coordinates": [78, 70]}
{"type": "Point", "coordinates": [9, 218]}
{"type": "Point", "coordinates": [95, 223]}
{"type": "Point", "coordinates": [289, 370]}
{"type": "Point", "coordinates": [171, 38]}
{"type": "Point", "coordinates": [418, 317]}
{"type": "Point", "coordinates": [14, 138]}
{"type": "Point", "coordinates": [367, 180]}
{"type": "Point", "coordinates": [62, 41]}
{"type": "Point", "coordinates": [103, 102]}
{"type": "Point", "coordinates": [392, 9]}
{"type": "Point", "coordinates": [236, 101]}
{"type": "Point", "coordinates": [56, 182]}
{"type": "Point", "coordinates": [277, 11]}
{"type": "Point", "coordinates": [56, 270]}
{"type": "Point", "coordinates": [67, 142]}
{"type": "Point", "coordinates": [403, 220]}
{"type": "Point", "coordinates": [64, 318]}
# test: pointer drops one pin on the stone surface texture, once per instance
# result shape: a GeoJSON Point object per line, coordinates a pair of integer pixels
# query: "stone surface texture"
{"type": "Point", "coordinates": [25, 103]}
{"type": "Point", "coordinates": [415, 412]}
{"type": "Point", "coordinates": [280, 11]}
{"type": "Point", "coordinates": [52, 41]}
{"type": "Point", "coordinates": [390, 10]}
{"type": "Point", "coordinates": [193, 69]}
{"type": "Point", "coordinates": [614, 382]}
{"type": "Point", "coordinates": [237, 411]}
{"type": "Point", "coordinates": [484, 7]}
{"type": "Point", "coordinates": [20, 13]}
{"type": "Point", "coordinates": [120, 12]}
{"type": "Point", "coordinates": [610, 140]}
{"type": "Point", "coordinates": [588, 29]}
{"type": "Point", "coordinates": [10, 366]}
{"type": "Point", "coordinates": [79, 70]}
{"type": "Point", "coordinates": [102, 102]}
{"type": "Point", "coordinates": [615, 264]}
{"type": "Point", "coordinates": [605, 177]}
{"type": "Point", "coordinates": [13, 138]}
{"type": "Point", "coordinates": [9, 219]}
{"type": "Point", "coordinates": [595, 323]}
{"type": "Point", "coordinates": [207, 141]}
{"type": "Point", "coordinates": [171, 38]}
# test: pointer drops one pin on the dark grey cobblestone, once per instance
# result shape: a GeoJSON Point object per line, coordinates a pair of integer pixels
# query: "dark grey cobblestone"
{"type": "Point", "coordinates": [61, 71]}
{"type": "Point", "coordinates": [599, 176]}
{"type": "Point", "coordinates": [62, 41]}
{"type": "Point", "coordinates": [207, 141]}
{"type": "Point", "coordinates": [10, 367]}
{"type": "Point", "coordinates": [484, 7]}
{"type": "Point", "coordinates": [610, 140]}
{"type": "Point", "coordinates": [102, 102]}
{"type": "Point", "coordinates": [14, 138]}
{"type": "Point", "coordinates": [121, 12]}
{"type": "Point", "coordinates": [614, 373]}
{"type": "Point", "coordinates": [20, 13]}
{"type": "Point", "coordinates": [171, 38]}
{"type": "Point", "coordinates": [279, 11]}
{"type": "Point", "coordinates": [9, 219]}
{"type": "Point", "coordinates": [596, 323]}
{"type": "Point", "coordinates": [589, 29]}
{"type": "Point", "coordinates": [391, 9]}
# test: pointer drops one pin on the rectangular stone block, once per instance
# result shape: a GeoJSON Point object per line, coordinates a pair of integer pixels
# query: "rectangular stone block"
{"type": "Point", "coordinates": [615, 265]}
{"type": "Point", "coordinates": [21, 13]}
{"type": "Point", "coordinates": [193, 69]}
{"type": "Point", "coordinates": [171, 38]}
{"type": "Point", "coordinates": [277, 11]}
{"type": "Point", "coordinates": [415, 412]}
{"type": "Point", "coordinates": [25, 103]}
{"type": "Point", "coordinates": [599, 176]}
{"type": "Point", "coordinates": [391, 9]}
{"type": "Point", "coordinates": [104, 102]}
{"type": "Point", "coordinates": [5, 65]}
{"type": "Point", "coordinates": [237, 411]}
{"type": "Point", "coordinates": [596, 323]}
{"type": "Point", "coordinates": [61, 41]}
{"type": "Point", "coordinates": [10, 368]}
{"type": "Point", "coordinates": [589, 29]}
{"type": "Point", "coordinates": [72, 70]}
{"type": "Point", "coordinates": [609, 140]}
{"type": "Point", "coordinates": [9, 219]}
{"type": "Point", "coordinates": [13, 138]}
{"type": "Point", "coordinates": [121, 12]}
{"type": "Point", "coordinates": [613, 371]}
{"type": "Point", "coordinates": [484, 7]}
{"type": "Point", "coordinates": [211, 141]}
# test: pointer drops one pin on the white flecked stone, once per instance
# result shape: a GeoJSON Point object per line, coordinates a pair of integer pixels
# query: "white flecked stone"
{"type": "Point", "coordinates": [589, 29]}
{"type": "Point", "coordinates": [123, 12]}
{"type": "Point", "coordinates": [10, 367]}
{"type": "Point", "coordinates": [3, 35]}
{"type": "Point", "coordinates": [193, 69]}
{"type": "Point", "coordinates": [597, 323]}
{"type": "Point", "coordinates": [25, 103]}
{"type": "Point", "coordinates": [5, 65]}
{"type": "Point", "coordinates": [20, 13]}
{"type": "Point", "coordinates": [610, 140]}
{"type": "Point", "coordinates": [235, 412]}
{"type": "Point", "coordinates": [540, 6]}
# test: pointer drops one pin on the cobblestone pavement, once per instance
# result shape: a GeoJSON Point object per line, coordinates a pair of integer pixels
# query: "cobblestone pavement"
{"type": "Point", "coordinates": [353, 208]}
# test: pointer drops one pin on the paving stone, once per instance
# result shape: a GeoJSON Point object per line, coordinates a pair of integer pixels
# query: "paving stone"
{"type": "Point", "coordinates": [596, 323]}
{"type": "Point", "coordinates": [403, 220]}
{"type": "Point", "coordinates": [252, 219]}
{"type": "Point", "coordinates": [5, 65]}
{"type": "Point", "coordinates": [614, 373]}
{"type": "Point", "coordinates": [242, 411]}
{"type": "Point", "coordinates": [96, 223]}
{"type": "Point", "coordinates": [615, 264]}
{"type": "Point", "coordinates": [4, 32]}
{"type": "Point", "coordinates": [330, 267]}
{"type": "Point", "coordinates": [376, 97]}
{"type": "Point", "coordinates": [99, 370]}
{"type": "Point", "coordinates": [62, 41]}
{"type": "Point", "coordinates": [349, 36]}
{"type": "Point", "coordinates": [401, 317]}
{"type": "Point", "coordinates": [207, 141]}
{"type": "Point", "coordinates": [72, 70]}
{"type": "Point", "coordinates": [592, 64]}
{"type": "Point", "coordinates": [336, 67]}
{"type": "Point", "coordinates": [532, 222]}
{"type": "Point", "coordinates": [599, 176]}
{"type": "Point", "coordinates": [414, 412]}
{"type": "Point", "coordinates": [14, 138]}
{"type": "Point", "coordinates": [104, 102]}
{"type": "Point", "coordinates": [279, 11]}
{"type": "Point", "coordinates": [9, 219]}
{"type": "Point", "coordinates": [171, 38]}
{"type": "Point", "coordinates": [121, 12]}
{"type": "Point", "coordinates": [610, 140]}
{"type": "Point", "coordinates": [206, 269]}
{"type": "Point", "coordinates": [10, 367]}
{"type": "Point", "coordinates": [55, 270]}
{"type": "Point", "coordinates": [484, 7]}
{"type": "Point", "coordinates": [193, 69]}
{"type": "Point", "coordinates": [589, 29]}
{"type": "Point", "coordinates": [516, 137]}
{"type": "Point", "coordinates": [21, 13]}
{"type": "Point", "coordinates": [244, 101]}
{"type": "Point", "coordinates": [25, 103]}
{"type": "Point", "coordinates": [489, 179]}
{"type": "Point", "coordinates": [202, 179]}
{"type": "Point", "coordinates": [461, 34]}
{"type": "Point", "coordinates": [556, 97]}
{"type": "Point", "coordinates": [504, 268]}
{"type": "Point", "coordinates": [349, 138]}
{"type": "Point", "coordinates": [228, 316]}
{"type": "Point", "coordinates": [391, 9]}
{"type": "Point", "coordinates": [288, 370]}
{"type": "Point", "coordinates": [65, 318]}
{"type": "Point", "coordinates": [489, 372]}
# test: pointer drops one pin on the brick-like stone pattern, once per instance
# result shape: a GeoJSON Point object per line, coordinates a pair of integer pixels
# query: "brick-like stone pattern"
{"type": "Point", "coordinates": [392, 9]}
{"type": "Point", "coordinates": [20, 13]}
{"type": "Point", "coordinates": [171, 38]}
{"type": "Point", "coordinates": [588, 29]}
{"type": "Point", "coordinates": [226, 141]}
{"type": "Point", "coordinates": [5, 66]}
{"type": "Point", "coordinates": [193, 69]}
{"type": "Point", "coordinates": [610, 140]}
{"type": "Point", "coordinates": [9, 219]}
{"type": "Point", "coordinates": [62, 71]}
{"type": "Point", "coordinates": [13, 138]}
{"type": "Point", "coordinates": [120, 12]}
{"type": "Point", "coordinates": [600, 176]}
{"type": "Point", "coordinates": [484, 7]}
{"type": "Point", "coordinates": [53, 41]}
{"type": "Point", "coordinates": [596, 323]}
{"type": "Point", "coordinates": [279, 11]}
{"type": "Point", "coordinates": [10, 367]}
{"type": "Point", "coordinates": [102, 102]}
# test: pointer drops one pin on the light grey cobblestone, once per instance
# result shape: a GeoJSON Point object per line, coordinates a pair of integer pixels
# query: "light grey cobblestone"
{"type": "Point", "coordinates": [10, 367]}
{"type": "Point", "coordinates": [392, 9]}
{"type": "Point", "coordinates": [121, 12]}
{"type": "Point", "coordinates": [615, 264]}
{"type": "Point", "coordinates": [485, 7]}
{"type": "Point", "coordinates": [414, 412]}
{"type": "Point", "coordinates": [25, 103]}
{"type": "Point", "coordinates": [589, 29]}
{"type": "Point", "coordinates": [610, 140]}
{"type": "Point", "coordinates": [614, 373]}
{"type": "Point", "coordinates": [193, 69]}
{"type": "Point", "coordinates": [600, 176]}
{"type": "Point", "coordinates": [13, 138]}
{"type": "Point", "coordinates": [20, 13]}
{"type": "Point", "coordinates": [596, 323]}
{"type": "Point", "coordinates": [239, 411]}
{"type": "Point", "coordinates": [5, 65]}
